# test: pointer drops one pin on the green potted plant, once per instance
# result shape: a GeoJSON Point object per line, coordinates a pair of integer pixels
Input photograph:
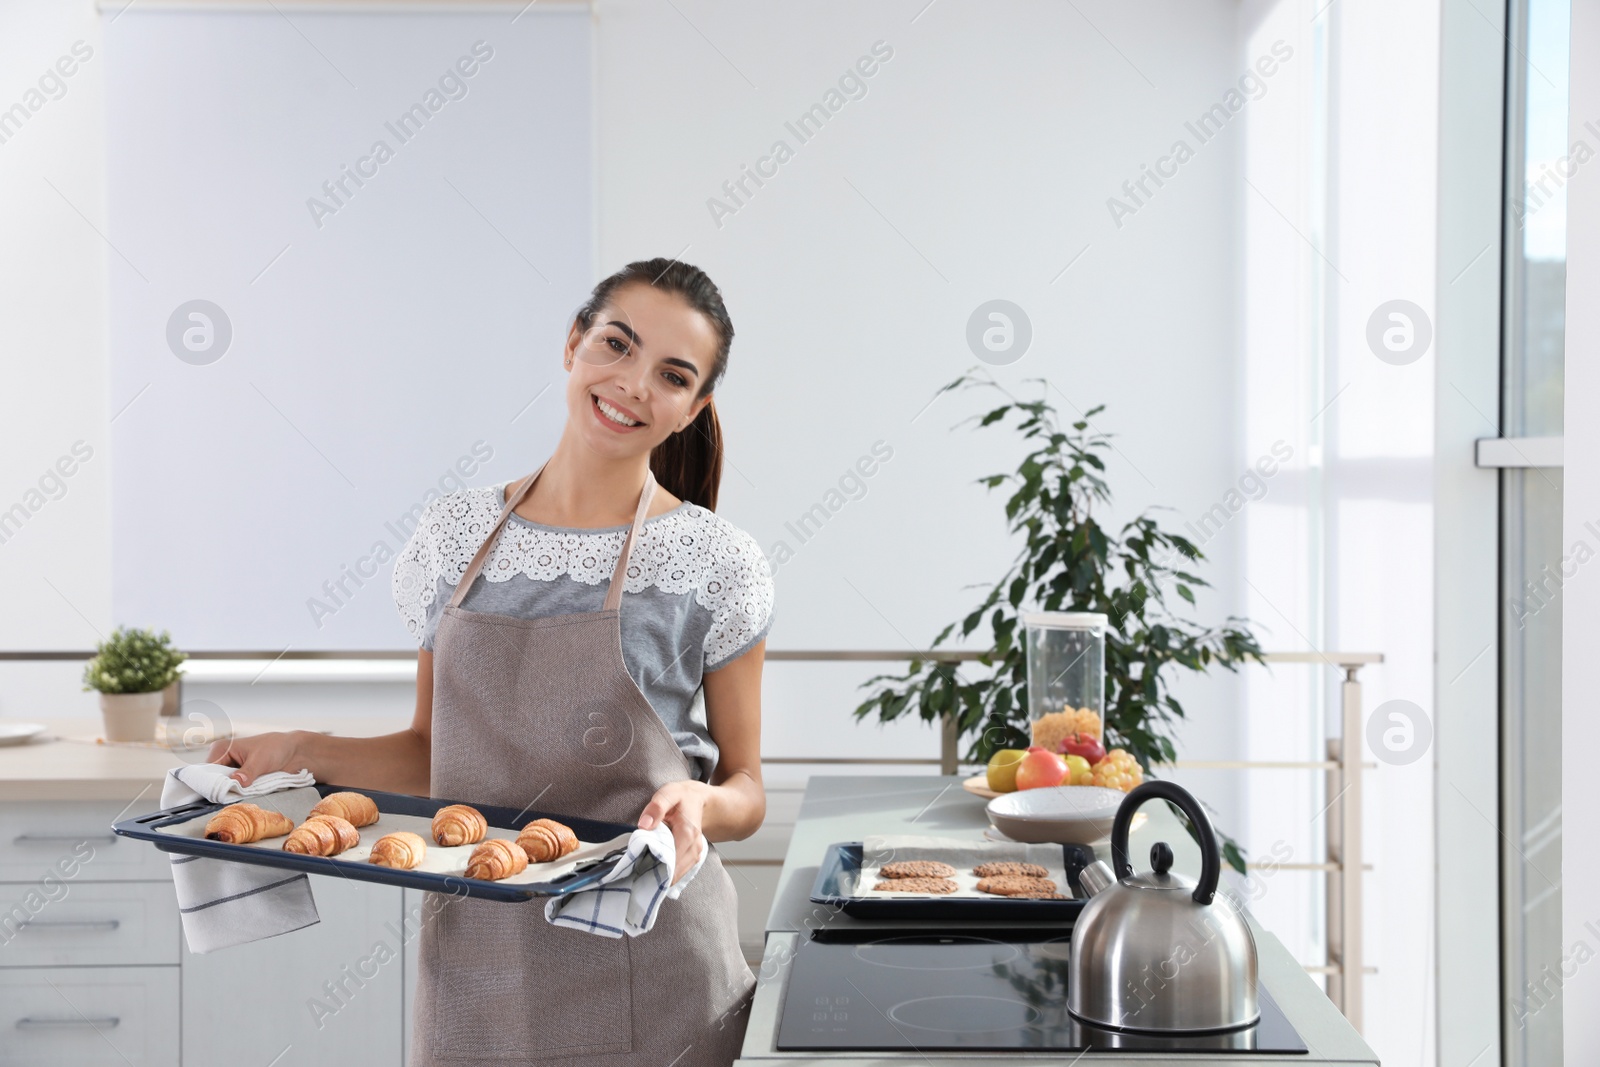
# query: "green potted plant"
{"type": "Point", "coordinates": [1070, 562]}
{"type": "Point", "coordinates": [130, 669]}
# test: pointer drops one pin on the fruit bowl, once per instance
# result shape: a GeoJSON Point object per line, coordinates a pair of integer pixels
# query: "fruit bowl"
{"type": "Point", "coordinates": [1066, 814]}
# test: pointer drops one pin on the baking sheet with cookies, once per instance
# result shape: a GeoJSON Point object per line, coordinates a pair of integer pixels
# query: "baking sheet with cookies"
{"type": "Point", "coordinates": [960, 853]}
{"type": "Point", "coordinates": [443, 869]}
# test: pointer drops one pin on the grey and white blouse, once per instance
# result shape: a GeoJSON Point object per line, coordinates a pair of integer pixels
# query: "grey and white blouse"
{"type": "Point", "coordinates": [697, 593]}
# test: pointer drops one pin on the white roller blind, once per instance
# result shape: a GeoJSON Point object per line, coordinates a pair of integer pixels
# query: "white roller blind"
{"type": "Point", "coordinates": [386, 221]}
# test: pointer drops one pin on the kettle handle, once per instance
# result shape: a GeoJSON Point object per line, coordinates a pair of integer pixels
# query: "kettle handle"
{"type": "Point", "coordinates": [1210, 857]}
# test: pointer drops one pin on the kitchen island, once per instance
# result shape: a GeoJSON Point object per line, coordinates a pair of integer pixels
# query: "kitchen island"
{"type": "Point", "coordinates": [848, 808]}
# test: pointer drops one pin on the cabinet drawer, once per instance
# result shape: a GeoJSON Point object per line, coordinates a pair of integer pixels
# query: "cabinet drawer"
{"type": "Point", "coordinates": [77, 1017]}
{"type": "Point", "coordinates": [88, 924]}
{"type": "Point", "coordinates": [54, 837]}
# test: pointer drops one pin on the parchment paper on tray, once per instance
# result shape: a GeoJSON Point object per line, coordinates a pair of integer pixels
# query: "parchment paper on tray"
{"type": "Point", "coordinates": [297, 803]}
{"type": "Point", "coordinates": [958, 852]}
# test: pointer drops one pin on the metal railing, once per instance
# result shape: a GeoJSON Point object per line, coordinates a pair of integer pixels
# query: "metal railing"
{"type": "Point", "coordinates": [1343, 864]}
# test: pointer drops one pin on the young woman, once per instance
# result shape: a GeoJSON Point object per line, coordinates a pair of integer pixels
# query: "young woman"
{"type": "Point", "coordinates": [569, 679]}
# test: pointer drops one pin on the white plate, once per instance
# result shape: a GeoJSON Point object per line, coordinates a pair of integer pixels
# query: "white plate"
{"type": "Point", "coordinates": [19, 733]}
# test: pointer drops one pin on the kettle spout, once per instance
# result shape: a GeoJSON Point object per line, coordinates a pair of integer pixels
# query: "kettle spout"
{"type": "Point", "coordinates": [1095, 877]}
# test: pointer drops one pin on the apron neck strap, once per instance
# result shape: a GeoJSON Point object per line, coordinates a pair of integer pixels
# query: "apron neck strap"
{"type": "Point", "coordinates": [613, 594]}
{"type": "Point", "coordinates": [471, 573]}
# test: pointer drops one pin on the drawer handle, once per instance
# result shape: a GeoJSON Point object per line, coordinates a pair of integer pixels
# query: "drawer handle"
{"type": "Point", "coordinates": [30, 1023]}
{"type": "Point", "coordinates": [74, 924]}
{"type": "Point", "coordinates": [23, 839]}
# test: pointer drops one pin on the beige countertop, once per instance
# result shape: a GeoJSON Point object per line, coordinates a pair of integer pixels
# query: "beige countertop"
{"type": "Point", "coordinates": [66, 763]}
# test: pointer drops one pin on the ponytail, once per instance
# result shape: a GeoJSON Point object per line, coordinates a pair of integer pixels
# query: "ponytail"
{"type": "Point", "coordinates": [689, 463]}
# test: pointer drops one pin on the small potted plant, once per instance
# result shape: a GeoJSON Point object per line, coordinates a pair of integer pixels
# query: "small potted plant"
{"type": "Point", "coordinates": [129, 670]}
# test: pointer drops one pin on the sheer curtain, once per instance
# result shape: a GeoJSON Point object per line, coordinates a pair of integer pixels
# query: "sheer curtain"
{"type": "Point", "coordinates": [1339, 218]}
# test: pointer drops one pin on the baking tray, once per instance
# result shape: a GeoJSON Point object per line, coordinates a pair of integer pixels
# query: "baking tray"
{"type": "Point", "coordinates": [841, 869]}
{"type": "Point", "coordinates": [508, 820]}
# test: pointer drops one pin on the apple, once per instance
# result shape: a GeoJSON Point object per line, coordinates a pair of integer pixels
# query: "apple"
{"type": "Point", "coordinates": [1079, 772]}
{"type": "Point", "coordinates": [1040, 768]}
{"type": "Point", "coordinates": [1001, 773]}
{"type": "Point", "coordinates": [1086, 745]}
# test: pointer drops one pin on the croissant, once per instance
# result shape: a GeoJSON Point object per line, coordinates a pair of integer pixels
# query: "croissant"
{"type": "Point", "coordinates": [402, 849]}
{"type": "Point", "coordinates": [495, 859]}
{"type": "Point", "coordinates": [545, 840]}
{"type": "Point", "coordinates": [357, 809]}
{"type": "Point", "coordinates": [240, 824]}
{"type": "Point", "coordinates": [322, 835]}
{"type": "Point", "coordinates": [458, 824]}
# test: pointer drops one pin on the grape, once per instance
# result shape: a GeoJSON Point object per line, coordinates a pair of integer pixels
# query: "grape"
{"type": "Point", "coordinates": [1118, 770]}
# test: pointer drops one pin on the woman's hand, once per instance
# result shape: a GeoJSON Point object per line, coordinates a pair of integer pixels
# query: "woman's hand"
{"type": "Point", "coordinates": [681, 805]}
{"type": "Point", "coordinates": [258, 755]}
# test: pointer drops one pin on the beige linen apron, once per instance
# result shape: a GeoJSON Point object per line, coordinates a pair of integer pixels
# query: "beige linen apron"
{"type": "Point", "coordinates": [542, 714]}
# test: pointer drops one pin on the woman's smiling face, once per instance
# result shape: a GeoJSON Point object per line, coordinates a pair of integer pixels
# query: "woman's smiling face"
{"type": "Point", "coordinates": [636, 373]}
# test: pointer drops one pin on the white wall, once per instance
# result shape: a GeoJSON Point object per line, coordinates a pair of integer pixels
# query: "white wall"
{"type": "Point", "coordinates": [1580, 612]}
{"type": "Point", "coordinates": [977, 166]}
{"type": "Point", "coordinates": [55, 571]}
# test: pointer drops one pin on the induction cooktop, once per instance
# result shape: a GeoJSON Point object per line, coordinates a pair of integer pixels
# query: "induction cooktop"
{"type": "Point", "coordinates": [994, 990]}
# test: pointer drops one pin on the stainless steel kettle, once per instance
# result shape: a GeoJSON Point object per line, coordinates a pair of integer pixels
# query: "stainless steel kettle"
{"type": "Point", "coordinates": [1155, 953]}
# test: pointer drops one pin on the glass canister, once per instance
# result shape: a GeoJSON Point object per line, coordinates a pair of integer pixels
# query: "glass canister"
{"type": "Point", "coordinates": [1066, 653]}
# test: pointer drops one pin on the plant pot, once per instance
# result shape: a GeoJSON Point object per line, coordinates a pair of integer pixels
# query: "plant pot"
{"type": "Point", "coordinates": [130, 716]}
{"type": "Point", "coordinates": [172, 697]}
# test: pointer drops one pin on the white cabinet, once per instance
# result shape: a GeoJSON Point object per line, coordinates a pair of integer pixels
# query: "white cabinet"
{"type": "Point", "coordinates": [88, 941]}
{"type": "Point", "coordinates": [92, 924]}
{"type": "Point", "coordinates": [413, 904]}
{"type": "Point", "coordinates": [89, 1016]}
{"type": "Point", "coordinates": [93, 969]}
{"type": "Point", "coordinates": [72, 841]}
{"type": "Point", "coordinates": [328, 995]}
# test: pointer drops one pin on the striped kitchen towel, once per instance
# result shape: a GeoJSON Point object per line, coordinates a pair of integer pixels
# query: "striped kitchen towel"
{"type": "Point", "coordinates": [222, 904]}
{"type": "Point", "coordinates": [627, 899]}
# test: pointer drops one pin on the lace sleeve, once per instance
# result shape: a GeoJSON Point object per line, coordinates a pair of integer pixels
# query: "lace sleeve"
{"type": "Point", "coordinates": [416, 573]}
{"type": "Point", "coordinates": [739, 592]}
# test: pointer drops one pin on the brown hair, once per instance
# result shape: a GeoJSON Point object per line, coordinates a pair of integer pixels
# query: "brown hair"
{"type": "Point", "coordinates": [687, 464]}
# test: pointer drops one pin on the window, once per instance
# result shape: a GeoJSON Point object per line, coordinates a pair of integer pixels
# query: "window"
{"type": "Point", "coordinates": [1532, 359]}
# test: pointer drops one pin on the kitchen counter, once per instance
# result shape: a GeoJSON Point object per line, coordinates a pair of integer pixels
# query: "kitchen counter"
{"type": "Point", "coordinates": [848, 808]}
{"type": "Point", "coordinates": [59, 766]}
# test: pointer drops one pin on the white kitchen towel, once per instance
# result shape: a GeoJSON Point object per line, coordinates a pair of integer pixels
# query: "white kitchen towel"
{"type": "Point", "coordinates": [627, 899]}
{"type": "Point", "coordinates": [222, 904]}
